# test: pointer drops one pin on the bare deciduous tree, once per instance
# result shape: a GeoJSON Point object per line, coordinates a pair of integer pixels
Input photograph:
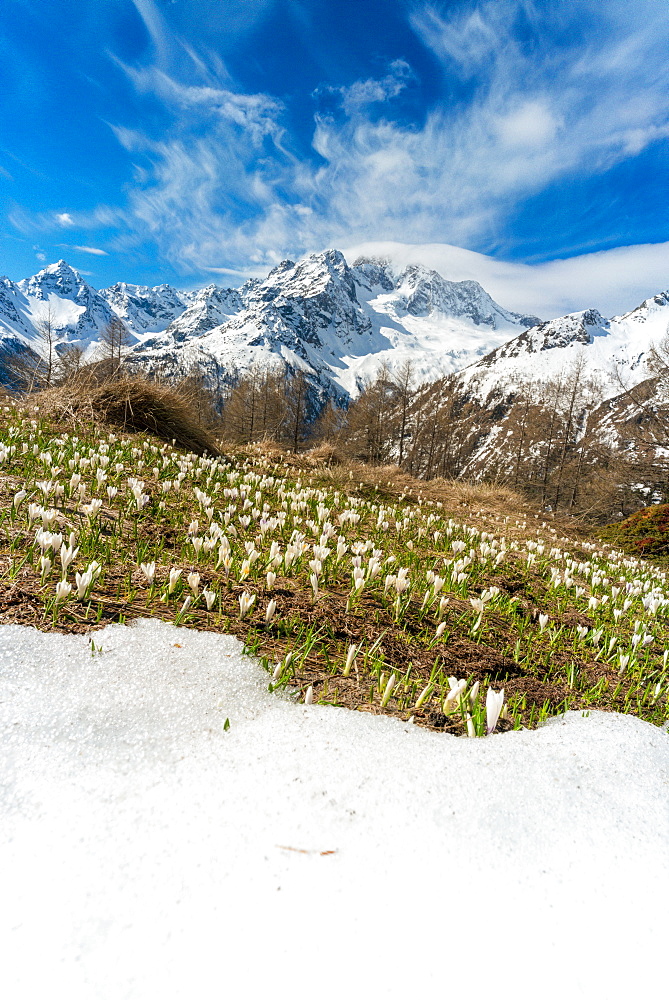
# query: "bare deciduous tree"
{"type": "Point", "coordinates": [113, 339]}
{"type": "Point", "coordinates": [47, 337]}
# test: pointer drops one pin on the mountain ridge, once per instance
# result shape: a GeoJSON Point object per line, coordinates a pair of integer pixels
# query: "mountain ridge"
{"type": "Point", "coordinates": [336, 322]}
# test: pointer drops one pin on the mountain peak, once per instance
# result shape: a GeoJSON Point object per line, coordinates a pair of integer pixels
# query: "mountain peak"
{"type": "Point", "coordinates": [61, 267]}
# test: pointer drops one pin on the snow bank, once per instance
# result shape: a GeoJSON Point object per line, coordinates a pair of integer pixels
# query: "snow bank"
{"type": "Point", "coordinates": [144, 850]}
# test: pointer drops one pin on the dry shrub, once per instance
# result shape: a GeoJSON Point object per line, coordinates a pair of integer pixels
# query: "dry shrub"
{"type": "Point", "coordinates": [132, 402]}
{"type": "Point", "coordinates": [325, 454]}
{"type": "Point", "coordinates": [489, 496]}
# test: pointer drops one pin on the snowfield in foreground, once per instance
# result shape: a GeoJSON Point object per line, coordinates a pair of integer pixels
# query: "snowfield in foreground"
{"type": "Point", "coordinates": [309, 851]}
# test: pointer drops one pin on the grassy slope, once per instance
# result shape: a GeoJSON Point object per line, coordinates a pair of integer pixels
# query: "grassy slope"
{"type": "Point", "coordinates": [565, 622]}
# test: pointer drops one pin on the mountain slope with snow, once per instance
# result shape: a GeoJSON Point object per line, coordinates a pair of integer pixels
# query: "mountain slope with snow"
{"type": "Point", "coordinates": [610, 351]}
{"type": "Point", "coordinates": [78, 312]}
{"type": "Point", "coordinates": [144, 309]}
{"type": "Point", "coordinates": [338, 324]}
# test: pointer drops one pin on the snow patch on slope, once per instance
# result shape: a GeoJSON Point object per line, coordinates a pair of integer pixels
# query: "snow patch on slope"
{"type": "Point", "coordinates": [148, 852]}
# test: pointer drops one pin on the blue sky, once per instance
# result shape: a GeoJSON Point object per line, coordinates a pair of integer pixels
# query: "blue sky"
{"type": "Point", "coordinates": [197, 140]}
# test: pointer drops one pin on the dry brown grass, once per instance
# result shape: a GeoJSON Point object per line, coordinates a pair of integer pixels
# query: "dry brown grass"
{"type": "Point", "coordinates": [130, 402]}
{"type": "Point", "coordinates": [485, 504]}
{"type": "Point", "coordinates": [325, 454]}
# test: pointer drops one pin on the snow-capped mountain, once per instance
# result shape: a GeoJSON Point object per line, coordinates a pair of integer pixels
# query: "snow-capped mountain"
{"type": "Point", "coordinates": [610, 351]}
{"type": "Point", "coordinates": [144, 309]}
{"type": "Point", "coordinates": [77, 311]}
{"type": "Point", "coordinates": [208, 308]}
{"type": "Point", "coordinates": [336, 322]}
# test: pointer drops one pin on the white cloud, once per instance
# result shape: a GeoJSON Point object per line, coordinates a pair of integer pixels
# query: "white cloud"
{"type": "Point", "coordinates": [531, 124]}
{"type": "Point", "coordinates": [360, 94]}
{"type": "Point", "coordinates": [224, 187]}
{"type": "Point", "coordinates": [64, 219]}
{"type": "Point", "coordinates": [613, 281]}
{"type": "Point", "coordinates": [92, 250]}
{"type": "Point", "coordinates": [465, 38]}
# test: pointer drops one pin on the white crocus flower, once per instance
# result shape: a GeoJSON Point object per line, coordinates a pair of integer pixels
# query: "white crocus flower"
{"type": "Point", "coordinates": [246, 602]}
{"type": "Point", "coordinates": [92, 509]}
{"type": "Point", "coordinates": [453, 696]}
{"type": "Point", "coordinates": [174, 576]}
{"type": "Point", "coordinates": [309, 696]}
{"type": "Point", "coordinates": [209, 597]}
{"type": "Point", "coordinates": [388, 690]}
{"type": "Point", "coordinates": [63, 589]}
{"type": "Point", "coordinates": [494, 703]}
{"type": "Point", "coordinates": [43, 539]}
{"type": "Point", "coordinates": [194, 582]}
{"type": "Point", "coordinates": [67, 555]}
{"type": "Point", "coordinates": [271, 611]}
{"type": "Point", "coordinates": [83, 582]}
{"type": "Point", "coordinates": [350, 658]}
{"type": "Point", "coordinates": [149, 570]}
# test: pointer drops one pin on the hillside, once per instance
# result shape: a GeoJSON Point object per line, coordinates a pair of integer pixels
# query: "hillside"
{"type": "Point", "coordinates": [358, 587]}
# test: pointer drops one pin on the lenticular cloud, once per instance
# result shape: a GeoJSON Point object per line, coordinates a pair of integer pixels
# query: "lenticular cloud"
{"type": "Point", "coordinates": [172, 829]}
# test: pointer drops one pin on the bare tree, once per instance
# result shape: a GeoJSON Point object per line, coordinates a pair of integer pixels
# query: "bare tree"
{"type": "Point", "coordinates": [330, 426]}
{"type": "Point", "coordinates": [402, 382]}
{"type": "Point", "coordinates": [369, 424]}
{"type": "Point", "coordinates": [47, 337]}
{"type": "Point", "coordinates": [257, 406]}
{"type": "Point", "coordinates": [113, 339]}
{"type": "Point", "coordinates": [297, 400]}
{"type": "Point", "coordinates": [70, 362]}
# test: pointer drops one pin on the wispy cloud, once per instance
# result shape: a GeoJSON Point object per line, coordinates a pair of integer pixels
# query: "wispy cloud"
{"type": "Point", "coordinates": [100, 217]}
{"type": "Point", "coordinates": [226, 189]}
{"type": "Point", "coordinates": [92, 250]}
{"type": "Point", "coordinates": [357, 97]}
{"type": "Point", "coordinates": [533, 93]}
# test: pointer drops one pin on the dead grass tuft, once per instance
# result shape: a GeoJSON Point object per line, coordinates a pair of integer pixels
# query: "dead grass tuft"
{"type": "Point", "coordinates": [131, 402]}
{"type": "Point", "coordinates": [325, 454]}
